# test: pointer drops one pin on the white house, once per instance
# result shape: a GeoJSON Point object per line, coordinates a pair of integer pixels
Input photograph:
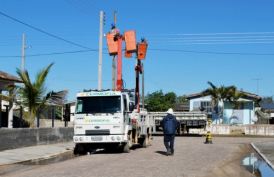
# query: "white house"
{"type": "Point", "coordinates": [238, 116]}
{"type": "Point", "coordinates": [6, 79]}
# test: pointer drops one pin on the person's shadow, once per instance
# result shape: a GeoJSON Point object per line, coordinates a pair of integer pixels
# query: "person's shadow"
{"type": "Point", "coordinates": [161, 152]}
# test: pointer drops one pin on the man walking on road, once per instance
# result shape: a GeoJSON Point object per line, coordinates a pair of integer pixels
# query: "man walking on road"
{"type": "Point", "coordinates": [169, 124]}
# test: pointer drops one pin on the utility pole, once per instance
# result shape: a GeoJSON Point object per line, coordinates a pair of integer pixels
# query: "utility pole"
{"type": "Point", "coordinates": [143, 87]}
{"type": "Point", "coordinates": [113, 61]}
{"type": "Point", "coordinates": [100, 52]}
{"type": "Point", "coordinates": [258, 84]}
{"type": "Point", "coordinates": [23, 54]}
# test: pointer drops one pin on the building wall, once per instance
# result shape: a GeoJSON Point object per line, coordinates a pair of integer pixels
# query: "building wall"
{"type": "Point", "coordinates": [248, 110]}
{"type": "Point", "coordinates": [215, 117]}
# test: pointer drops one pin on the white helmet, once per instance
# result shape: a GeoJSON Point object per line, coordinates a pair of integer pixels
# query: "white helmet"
{"type": "Point", "coordinates": [170, 111]}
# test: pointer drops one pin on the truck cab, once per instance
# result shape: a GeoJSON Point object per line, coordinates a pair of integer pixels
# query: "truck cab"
{"type": "Point", "coordinates": [102, 120]}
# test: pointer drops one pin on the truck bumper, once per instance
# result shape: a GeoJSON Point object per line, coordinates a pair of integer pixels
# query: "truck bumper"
{"type": "Point", "coordinates": [100, 139]}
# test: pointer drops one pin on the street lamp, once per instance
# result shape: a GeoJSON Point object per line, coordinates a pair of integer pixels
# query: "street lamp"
{"type": "Point", "coordinates": [23, 53]}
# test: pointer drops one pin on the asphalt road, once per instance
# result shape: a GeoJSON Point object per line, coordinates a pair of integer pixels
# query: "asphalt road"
{"type": "Point", "coordinates": [192, 158]}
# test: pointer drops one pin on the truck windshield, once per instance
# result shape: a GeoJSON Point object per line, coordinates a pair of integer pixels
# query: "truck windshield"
{"type": "Point", "coordinates": [108, 104]}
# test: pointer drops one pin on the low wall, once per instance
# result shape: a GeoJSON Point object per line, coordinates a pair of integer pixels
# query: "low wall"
{"type": "Point", "coordinates": [23, 137]}
{"type": "Point", "coordinates": [223, 129]}
{"type": "Point", "coordinates": [259, 129]}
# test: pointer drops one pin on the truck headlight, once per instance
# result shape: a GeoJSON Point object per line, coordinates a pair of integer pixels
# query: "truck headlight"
{"type": "Point", "coordinates": [81, 139]}
{"type": "Point", "coordinates": [76, 138]}
{"type": "Point", "coordinates": [118, 138]}
{"type": "Point", "coordinates": [112, 138]}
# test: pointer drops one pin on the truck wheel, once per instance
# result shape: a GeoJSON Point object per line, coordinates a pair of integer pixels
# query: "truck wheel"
{"type": "Point", "coordinates": [81, 149]}
{"type": "Point", "coordinates": [76, 151]}
{"type": "Point", "coordinates": [127, 146]}
{"type": "Point", "coordinates": [146, 142]}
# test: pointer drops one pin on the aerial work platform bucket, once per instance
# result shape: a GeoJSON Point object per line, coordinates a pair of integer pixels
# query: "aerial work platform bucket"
{"type": "Point", "coordinates": [130, 40]}
{"type": "Point", "coordinates": [112, 45]}
{"type": "Point", "coordinates": [142, 50]}
{"type": "Point", "coordinates": [127, 54]}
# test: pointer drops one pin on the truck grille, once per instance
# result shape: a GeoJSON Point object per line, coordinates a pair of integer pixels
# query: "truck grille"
{"type": "Point", "coordinates": [97, 132]}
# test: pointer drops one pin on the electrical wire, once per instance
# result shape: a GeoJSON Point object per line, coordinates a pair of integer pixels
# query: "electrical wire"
{"type": "Point", "coordinates": [96, 8]}
{"type": "Point", "coordinates": [80, 7]}
{"type": "Point", "coordinates": [223, 53]}
{"type": "Point", "coordinates": [46, 32]}
{"type": "Point", "coordinates": [198, 34]}
{"type": "Point", "coordinates": [57, 53]}
{"type": "Point", "coordinates": [168, 50]}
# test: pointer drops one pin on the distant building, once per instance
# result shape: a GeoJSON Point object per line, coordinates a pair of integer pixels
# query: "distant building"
{"type": "Point", "coordinates": [240, 116]}
{"type": "Point", "coordinates": [269, 107]}
{"type": "Point", "coordinates": [6, 79]}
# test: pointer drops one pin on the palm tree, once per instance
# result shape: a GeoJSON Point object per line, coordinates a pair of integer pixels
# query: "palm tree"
{"type": "Point", "coordinates": [32, 95]}
{"type": "Point", "coordinates": [233, 98]}
{"type": "Point", "coordinates": [214, 93]}
{"type": "Point", "coordinates": [224, 94]}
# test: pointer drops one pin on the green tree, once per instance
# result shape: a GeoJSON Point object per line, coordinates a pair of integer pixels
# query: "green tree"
{"type": "Point", "coordinates": [234, 99]}
{"type": "Point", "coordinates": [267, 99]}
{"type": "Point", "coordinates": [158, 101]}
{"type": "Point", "coordinates": [224, 96]}
{"type": "Point", "coordinates": [32, 95]}
{"type": "Point", "coordinates": [215, 95]}
{"type": "Point", "coordinates": [181, 99]}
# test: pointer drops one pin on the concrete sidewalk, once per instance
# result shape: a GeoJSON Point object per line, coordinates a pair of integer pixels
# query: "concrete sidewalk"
{"type": "Point", "coordinates": [266, 150]}
{"type": "Point", "coordinates": [34, 152]}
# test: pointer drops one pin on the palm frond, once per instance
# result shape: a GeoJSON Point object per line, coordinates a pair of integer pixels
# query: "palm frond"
{"type": "Point", "coordinates": [41, 76]}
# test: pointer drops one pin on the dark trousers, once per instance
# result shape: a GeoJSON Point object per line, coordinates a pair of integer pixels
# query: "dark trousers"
{"type": "Point", "coordinates": [169, 142]}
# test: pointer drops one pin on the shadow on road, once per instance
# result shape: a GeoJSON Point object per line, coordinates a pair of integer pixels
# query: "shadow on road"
{"type": "Point", "coordinates": [186, 135]}
{"type": "Point", "coordinates": [161, 152]}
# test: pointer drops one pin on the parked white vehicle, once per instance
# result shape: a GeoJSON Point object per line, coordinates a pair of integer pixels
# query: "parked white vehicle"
{"type": "Point", "coordinates": [107, 119]}
{"type": "Point", "coordinates": [188, 120]}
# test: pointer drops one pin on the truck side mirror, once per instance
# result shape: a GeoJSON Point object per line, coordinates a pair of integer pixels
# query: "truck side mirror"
{"type": "Point", "coordinates": [131, 106]}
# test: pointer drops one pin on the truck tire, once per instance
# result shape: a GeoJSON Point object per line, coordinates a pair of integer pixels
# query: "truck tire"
{"type": "Point", "coordinates": [76, 151]}
{"type": "Point", "coordinates": [126, 148]}
{"type": "Point", "coordinates": [81, 149]}
{"type": "Point", "coordinates": [145, 142]}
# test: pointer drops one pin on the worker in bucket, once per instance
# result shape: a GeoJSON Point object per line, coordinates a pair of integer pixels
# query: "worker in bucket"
{"type": "Point", "coordinates": [143, 40]}
{"type": "Point", "coordinates": [113, 28]}
{"type": "Point", "coordinates": [169, 124]}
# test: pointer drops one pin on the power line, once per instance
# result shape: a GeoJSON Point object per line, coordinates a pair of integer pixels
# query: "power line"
{"type": "Point", "coordinates": [170, 50]}
{"type": "Point", "coordinates": [216, 43]}
{"type": "Point", "coordinates": [45, 32]}
{"type": "Point", "coordinates": [226, 37]}
{"type": "Point", "coordinates": [57, 53]}
{"type": "Point", "coordinates": [223, 53]}
{"type": "Point", "coordinates": [198, 34]}
{"type": "Point", "coordinates": [80, 7]}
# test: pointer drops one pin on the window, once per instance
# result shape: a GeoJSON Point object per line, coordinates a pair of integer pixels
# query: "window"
{"type": "Point", "coordinates": [203, 106]}
{"type": "Point", "coordinates": [125, 102]}
{"type": "Point", "coordinates": [206, 106]}
{"type": "Point", "coordinates": [98, 105]}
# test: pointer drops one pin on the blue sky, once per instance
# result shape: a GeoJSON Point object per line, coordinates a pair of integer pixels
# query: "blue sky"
{"type": "Point", "coordinates": [190, 42]}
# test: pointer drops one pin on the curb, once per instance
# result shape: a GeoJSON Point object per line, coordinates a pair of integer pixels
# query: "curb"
{"type": "Point", "coordinates": [263, 156]}
{"type": "Point", "coordinates": [38, 158]}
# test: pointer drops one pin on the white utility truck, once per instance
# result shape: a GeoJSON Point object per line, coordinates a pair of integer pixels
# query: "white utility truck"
{"type": "Point", "coordinates": [195, 120]}
{"type": "Point", "coordinates": [107, 119]}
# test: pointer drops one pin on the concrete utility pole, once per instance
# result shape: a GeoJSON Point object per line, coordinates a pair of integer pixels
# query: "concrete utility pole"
{"type": "Point", "coordinates": [0, 110]}
{"type": "Point", "coordinates": [23, 54]}
{"type": "Point", "coordinates": [100, 52]}
{"type": "Point", "coordinates": [143, 87]}
{"type": "Point", "coordinates": [113, 62]}
{"type": "Point", "coordinates": [258, 84]}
